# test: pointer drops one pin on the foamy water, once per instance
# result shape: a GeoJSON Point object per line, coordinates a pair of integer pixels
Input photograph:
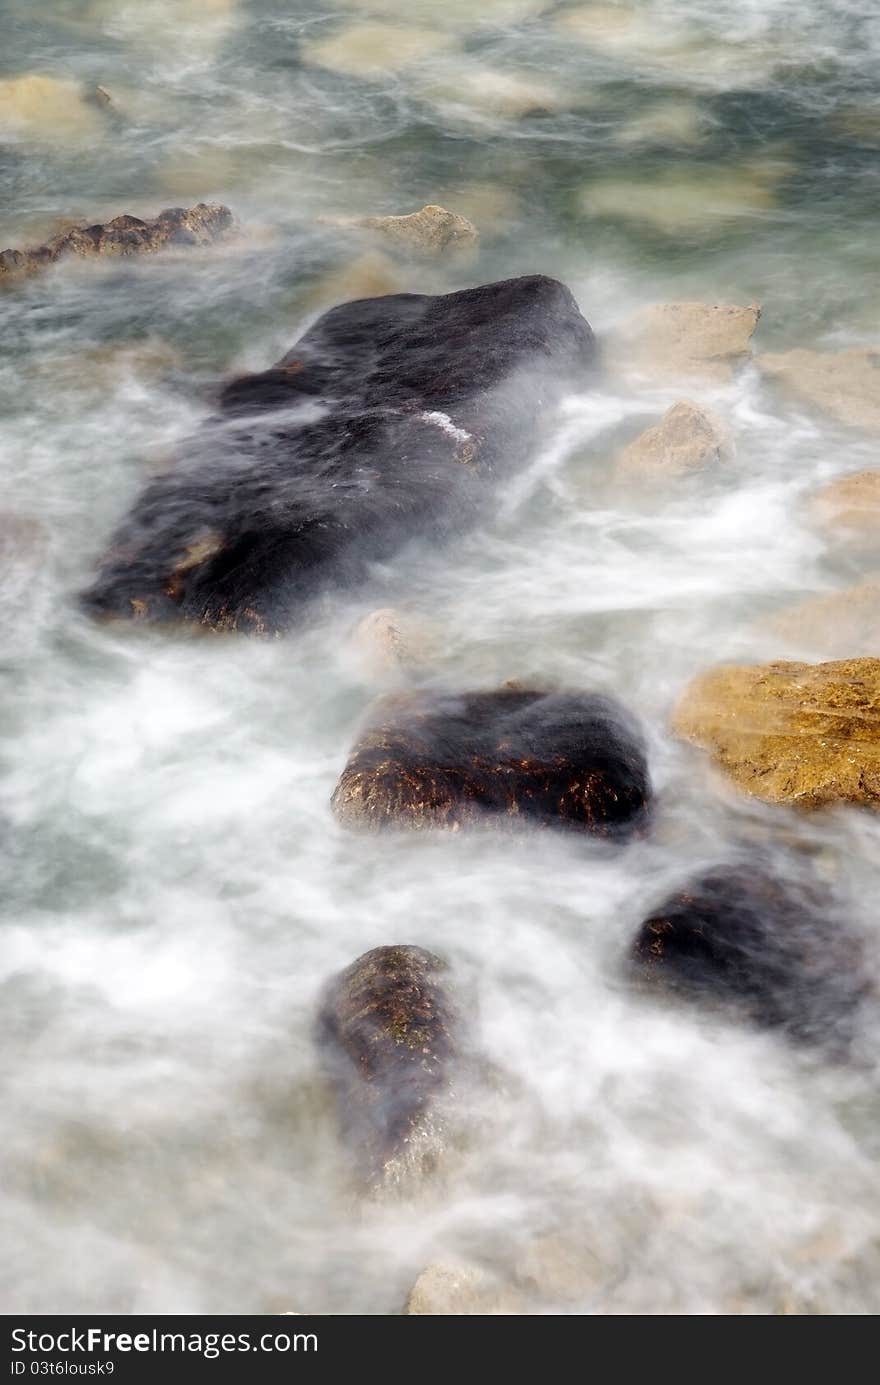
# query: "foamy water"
{"type": "Point", "coordinates": [175, 890]}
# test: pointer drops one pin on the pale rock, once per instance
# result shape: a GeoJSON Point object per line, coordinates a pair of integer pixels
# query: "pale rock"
{"type": "Point", "coordinates": [461, 15]}
{"type": "Point", "coordinates": [387, 641]}
{"type": "Point", "coordinates": [687, 438]}
{"type": "Point", "coordinates": [843, 624]}
{"type": "Point", "coordinates": [48, 110]}
{"type": "Point", "coordinates": [430, 231]}
{"type": "Point", "coordinates": [374, 50]}
{"type": "Point", "coordinates": [844, 384]}
{"type": "Point", "coordinates": [709, 341]}
{"type": "Point", "coordinates": [667, 122]}
{"type": "Point", "coordinates": [682, 204]}
{"type": "Point", "coordinates": [449, 1290]}
{"type": "Point", "coordinates": [849, 509]}
{"type": "Point", "coordinates": [464, 87]}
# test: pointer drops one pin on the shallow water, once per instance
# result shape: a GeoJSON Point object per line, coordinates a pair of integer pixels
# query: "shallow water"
{"type": "Point", "coordinates": [175, 891]}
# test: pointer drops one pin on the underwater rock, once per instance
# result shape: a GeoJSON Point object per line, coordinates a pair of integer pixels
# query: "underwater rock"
{"type": "Point", "coordinates": [772, 946]}
{"type": "Point", "coordinates": [369, 276]}
{"type": "Point", "coordinates": [391, 419]}
{"type": "Point", "coordinates": [840, 625]}
{"type": "Point", "coordinates": [124, 235]}
{"type": "Point", "coordinates": [385, 1030]}
{"type": "Point", "coordinates": [389, 641]}
{"type": "Point", "coordinates": [53, 110]}
{"type": "Point", "coordinates": [374, 49]}
{"type": "Point", "coordinates": [431, 231]}
{"type": "Point", "coordinates": [679, 205]}
{"type": "Point", "coordinates": [673, 340]}
{"type": "Point", "coordinates": [849, 509]}
{"type": "Point", "coordinates": [687, 438]}
{"type": "Point", "coordinates": [845, 384]}
{"type": "Point", "coordinates": [804, 734]}
{"type": "Point", "coordinates": [453, 14]}
{"type": "Point", "coordinates": [431, 760]}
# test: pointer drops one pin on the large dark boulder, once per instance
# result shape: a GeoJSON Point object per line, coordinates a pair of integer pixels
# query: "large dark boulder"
{"type": "Point", "coordinates": [385, 1031]}
{"type": "Point", "coordinates": [389, 420]}
{"type": "Point", "coordinates": [772, 947]}
{"type": "Point", "coordinates": [429, 759]}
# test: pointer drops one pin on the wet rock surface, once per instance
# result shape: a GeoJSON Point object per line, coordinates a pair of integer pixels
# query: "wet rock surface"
{"type": "Point", "coordinates": [124, 235]}
{"type": "Point", "coordinates": [388, 420]}
{"type": "Point", "coordinates": [845, 384]}
{"type": "Point", "coordinates": [430, 231]}
{"type": "Point", "coordinates": [687, 438]}
{"type": "Point", "coordinates": [772, 947]}
{"type": "Point", "coordinates": [804, 734]}
{"type": "Point", "coordinates": [848, 510]}
{"type": "Point", "coordinates": [843, 623]}
{"type": "Point", "coordinates": [386, 1034]}
{"type": "Point", "coordinates": [430, 760]}
{"type": "Point", "coordinates": [707, 341]}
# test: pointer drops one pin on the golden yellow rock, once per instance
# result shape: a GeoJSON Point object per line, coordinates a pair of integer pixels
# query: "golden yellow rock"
{"type": "Point", "coordinates": [842, 624]}
{"type": "Point", "coordinates": [845, 384]}
{"type": "Point", "coordinates": [374, 50]}
{"type": "Point", "coordinates": [448, 1290]}
{"type": "Point", "coordinates": [709, 341]}
{"type": "Point", "coordinates": [804, 734]}
{"type": "Point", "coordinates": [687, 438]}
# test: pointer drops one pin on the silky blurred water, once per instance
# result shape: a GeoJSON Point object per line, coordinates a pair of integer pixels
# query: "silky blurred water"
{"type": "Point", "coordinates": [175, 891]}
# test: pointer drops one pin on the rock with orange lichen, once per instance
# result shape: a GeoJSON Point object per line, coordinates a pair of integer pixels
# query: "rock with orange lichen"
{"type": "Point", "coordinates": [804, 734]}
{"type": "Point", "coordinates": [124, 235]}
{"type": "Point", "coordinates": [849, 509]}
{"type": "Point", "coordinates": [386, 1031]}
{"type": "Point", "coordinates": [513, 755]}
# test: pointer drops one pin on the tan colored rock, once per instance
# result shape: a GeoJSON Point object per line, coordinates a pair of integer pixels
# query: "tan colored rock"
{"type": "Point", "coordinates": [802, 734]}
{"type": "Point", "coordinates": [447, 1290]}
{"type": "Point", "coordinates": [687, 438]}
{"type": "Point", "coordinates": [430, 231]}
{"type": "Point", "coordinates": [676, 340]}
{"type": "Point", "coordinates": [844, 624]}
{"type": "Point", "coordinates": [374, 50]}
{"type": "Point", "coordinates": [845, 384]}
{"type": "Point", "coordinates": [124, 235]}
{"type": "Point", "coordinates": [388, 642]}
{"type": "Point", "coordinates": [48, 109]}
{"type": "Point", "coordinates": [850, 508]}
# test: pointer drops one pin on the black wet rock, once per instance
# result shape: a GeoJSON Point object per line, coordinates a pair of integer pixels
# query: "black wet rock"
{"type": "Point", "coordinates": [391, 419]}
{"type": "Point", "coordinates": [386, 1035]}
{"type": "Point", "coordinates": [773, 947]}
{"type": "Point", "coordinates": [429, 759]}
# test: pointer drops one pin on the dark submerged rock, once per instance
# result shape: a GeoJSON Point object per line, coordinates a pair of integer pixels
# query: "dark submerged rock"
{"type": "Point", "coordinates": [389, 420]}
{"type": "Point", "coordinates": [772, 947]}
{"type": "Point", "coordinates": [386, 1034]}
{"type": "Point", "coordinates": [432, 759]}
{"type": "Point", "coordinates": [124, 235]}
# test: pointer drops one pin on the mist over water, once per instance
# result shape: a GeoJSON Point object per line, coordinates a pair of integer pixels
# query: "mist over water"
{"type": "Point", "coordinates": [175, 891]}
